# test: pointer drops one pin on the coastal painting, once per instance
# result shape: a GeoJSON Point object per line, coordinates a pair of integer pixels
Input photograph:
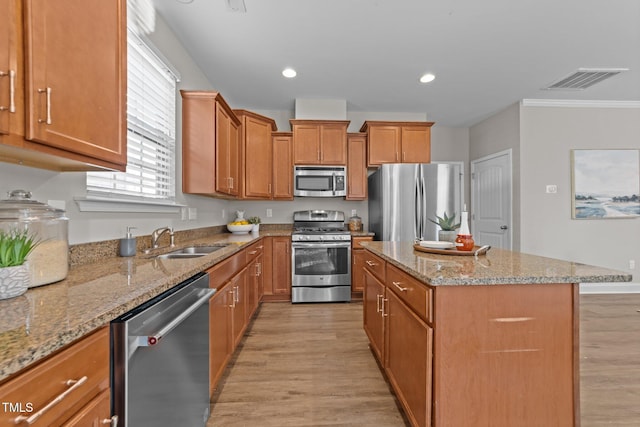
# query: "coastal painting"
{"type": "Point", "coordinates": [605, 184]}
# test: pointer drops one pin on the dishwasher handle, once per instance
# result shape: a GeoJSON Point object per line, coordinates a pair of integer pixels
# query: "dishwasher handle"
{"type": "Point", "coordinates": [150, 340]}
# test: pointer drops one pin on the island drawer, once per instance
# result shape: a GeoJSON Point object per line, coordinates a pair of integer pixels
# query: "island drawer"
{"type": "Point", "coordinates": [54, 390]}
{"type": "Point", "coordinates": [415, 294]}
{"type": "Point", "coordinates": [374, 264]}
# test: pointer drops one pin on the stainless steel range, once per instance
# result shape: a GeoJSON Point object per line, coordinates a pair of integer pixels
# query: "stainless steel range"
{"type": "Point", "coordinates": [320, 257]}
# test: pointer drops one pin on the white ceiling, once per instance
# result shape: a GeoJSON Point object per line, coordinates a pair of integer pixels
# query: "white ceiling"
{"type": "Point", "coordinates": [486, 55]}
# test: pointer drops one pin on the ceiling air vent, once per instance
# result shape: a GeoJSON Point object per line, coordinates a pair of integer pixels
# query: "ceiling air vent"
{"type": "Point", "coordinates": [584, 78]}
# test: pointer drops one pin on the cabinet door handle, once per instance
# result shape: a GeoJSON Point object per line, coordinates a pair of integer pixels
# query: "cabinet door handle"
{"type": "Point", "coordinates": [113, 421]}
{"type": "Point", "coordinates": [12, 91]}
{"type": "Point", "coordinates": [46, 91]}
{"type": "Point", "coordinates": [233, 298]}
{"type": "Point", "coordinates": [371, 263]}
{"type": "Point", "coordinates": [378, 303]}
{"type": "Point", "coordinates": [253, 252]}
{"type": "Point", "coordinates": [382, 307]}
{"type": "Point", "coordinates": [269, 190]}
{"type": "Point", "coordinates": [74, 384]}
{"type": "Point", "coordinates": [397, 285]}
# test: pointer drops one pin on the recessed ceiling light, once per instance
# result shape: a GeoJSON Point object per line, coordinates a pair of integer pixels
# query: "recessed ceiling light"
{"type": "Point", "coordinates": [289, 73]}
{"type": "Point", "coordinates": [427, 78]}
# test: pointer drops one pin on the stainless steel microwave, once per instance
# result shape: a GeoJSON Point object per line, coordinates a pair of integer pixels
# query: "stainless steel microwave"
{"type": "Point", "coordinates": [320, 181]}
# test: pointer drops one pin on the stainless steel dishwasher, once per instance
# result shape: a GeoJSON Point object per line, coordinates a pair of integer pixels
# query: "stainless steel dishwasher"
{"type": "Point", "coordinates": [160, 359]}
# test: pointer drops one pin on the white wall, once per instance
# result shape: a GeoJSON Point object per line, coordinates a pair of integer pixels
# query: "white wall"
{"type": "Point", "coordinates": [498, 133]}
{"type": "Point", "coordinates": [547, 136]}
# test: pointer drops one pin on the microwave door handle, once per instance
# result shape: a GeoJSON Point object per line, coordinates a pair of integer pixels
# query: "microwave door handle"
{"type": "Point", "coordinates": [334, 183]}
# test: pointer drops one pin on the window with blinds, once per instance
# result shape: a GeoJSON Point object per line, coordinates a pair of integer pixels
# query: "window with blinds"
{"type": "Point", "coordinates": [151, 127]}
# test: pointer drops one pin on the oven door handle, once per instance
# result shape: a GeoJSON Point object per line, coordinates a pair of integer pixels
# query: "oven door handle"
{"type": "Point", "coordinates": [150, 340]}
{"type": "Point", "coordinates": [320, 245]}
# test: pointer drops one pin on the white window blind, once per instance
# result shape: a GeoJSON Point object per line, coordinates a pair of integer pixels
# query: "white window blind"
{"type": "Point", "coordinates": [151, 111]}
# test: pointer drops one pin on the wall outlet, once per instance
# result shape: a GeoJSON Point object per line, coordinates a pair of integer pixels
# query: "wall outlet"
{"type": "Point", "coordinates": [552, 189]}
{"type": "Point", "coordinates": [353, 212]}
{"type": "Point", "coordinates": [632, 264]}
{"type": "Point", "coordinates": [269, 213]}
{"type": "Point", "coordinates": [193, 213]}
{"type": "Point", "coordinates": [184, 213]}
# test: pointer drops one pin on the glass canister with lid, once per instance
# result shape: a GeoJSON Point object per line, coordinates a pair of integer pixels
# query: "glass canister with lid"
{"type": "Point", "coordinates": [355, 222]}
{"type": "Point", "coordinates": [49, 260]}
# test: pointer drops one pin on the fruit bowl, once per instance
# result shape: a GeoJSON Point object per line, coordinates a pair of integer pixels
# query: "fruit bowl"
{"type": "Point", "coordinates": [239, 229]}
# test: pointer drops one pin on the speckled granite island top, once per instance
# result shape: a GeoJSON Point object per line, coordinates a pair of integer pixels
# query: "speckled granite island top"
{"type": "Point", "coordinates": [497, 267]}
{"type": "Point", "coordinates": [47, 318]}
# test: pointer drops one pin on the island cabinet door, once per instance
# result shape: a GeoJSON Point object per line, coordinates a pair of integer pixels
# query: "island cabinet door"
{"type": "Point", "coordinates": [504, 356]}
{"type": "Point", "coordinates": [408, 359]}
{"type": "Point", "coordinates": [374, 294]}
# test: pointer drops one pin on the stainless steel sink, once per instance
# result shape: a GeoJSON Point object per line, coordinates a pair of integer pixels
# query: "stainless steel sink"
{"type": "Point", "coordinates": [191, 252]}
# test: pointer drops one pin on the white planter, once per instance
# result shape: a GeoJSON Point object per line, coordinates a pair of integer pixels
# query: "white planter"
{"type": "Point", "coordinates": [14, 281]}
{"type": "Point", "coordinates": [447, 236]}
{"type": "Point", "coordinates": [256, 228]}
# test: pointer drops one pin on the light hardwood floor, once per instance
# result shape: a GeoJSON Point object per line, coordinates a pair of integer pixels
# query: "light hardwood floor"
{"type": "Point", "coordinates": [310, 365]}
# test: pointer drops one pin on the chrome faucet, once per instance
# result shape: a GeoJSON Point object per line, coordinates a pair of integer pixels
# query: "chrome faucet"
{"type": "Point", "coordinates": [157, 233]}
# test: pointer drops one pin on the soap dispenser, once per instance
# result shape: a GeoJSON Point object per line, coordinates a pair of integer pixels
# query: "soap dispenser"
{"type": "Point", "coordinates": [128, 244]}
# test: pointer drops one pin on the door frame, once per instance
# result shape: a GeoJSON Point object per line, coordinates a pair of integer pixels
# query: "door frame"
{"type": "Point", "coordinates": [474, 195]}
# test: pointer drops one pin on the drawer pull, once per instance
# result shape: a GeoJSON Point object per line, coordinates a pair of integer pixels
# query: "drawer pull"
{"type": "Point", "coordinates": [113, 421]}
{"type": "Point", "coordinates": [397, 285]}
{"type": "Point", "coordinates": [382, 308]}
{"type": "Point", "coordinates": [74, 384]}
{"type": "Point", "coordinates": [253, 252]}
{"type": "Point", "coordinates": [371, 263]}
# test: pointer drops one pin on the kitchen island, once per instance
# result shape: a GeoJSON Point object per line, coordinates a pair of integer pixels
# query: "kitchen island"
{"type": "Point", "coordinates": [485, 341]}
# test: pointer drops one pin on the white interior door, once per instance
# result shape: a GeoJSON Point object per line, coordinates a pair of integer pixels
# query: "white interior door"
{"type": "Point", "coordinates": [491, 211]}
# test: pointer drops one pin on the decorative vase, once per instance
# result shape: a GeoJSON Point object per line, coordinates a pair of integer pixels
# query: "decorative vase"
{"type": "Point", "coordinates": [464, 241]}
{"type": "Point", "coordinates": [14, 281]}
{"type": "Point", "coordinates": [447, 235]}
{"type": "Point", "coordinates": [256, 228]}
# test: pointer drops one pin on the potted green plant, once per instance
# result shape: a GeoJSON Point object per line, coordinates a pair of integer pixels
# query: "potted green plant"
{"type": "Point", "coordinates": [14, 271]}
{"type": "Point", "coordinates": [255, 220]}
{"type": "Point", "coordinates": [448, 227]}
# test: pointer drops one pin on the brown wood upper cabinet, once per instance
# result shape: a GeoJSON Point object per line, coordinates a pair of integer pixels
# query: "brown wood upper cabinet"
{"type": "Point", "coordinates": [210, 152]}
{"type": "Point", "coordinates": [62, 92]}
{"type": "Point", "coordinates": [319, 142]}
{"type": "Point", "coordinates": [282, 165]}
{"type": "Point", "coordinates": [256, 155]}
{"type": "Point", "coordinates": [356, 166]}
{"type": "Point", "coordinates": [398, 142]}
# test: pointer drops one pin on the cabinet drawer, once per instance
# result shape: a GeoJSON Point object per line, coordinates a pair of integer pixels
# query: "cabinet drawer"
{"type": "Point", "coordinates": [61, 385]}
{"type": "Point", "coordinates": [375, 265]}
{"type": "Point", "coordinates": [355, 241]}
{"type": "Point", "coordinates": [223, 271]}
{"type": "Point", "coordinates": [254, 250]}
{"type": "Point", "coordinates": [415, 294]}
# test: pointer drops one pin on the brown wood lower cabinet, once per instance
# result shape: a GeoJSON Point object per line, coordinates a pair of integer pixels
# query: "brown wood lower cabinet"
{"type": "Point", "coordinates": [277, 268]}
{"type": "Point", "coordinates": [475, 355]}
{"type": "Point", "coordinates": [238, 280]}
{"type": "Point", "coordinates": [408, 356]}
{"type": "Point", "coordinates": [69, 387]}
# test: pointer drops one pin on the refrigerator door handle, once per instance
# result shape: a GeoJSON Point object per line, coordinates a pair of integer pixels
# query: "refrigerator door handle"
{"type": "Point", "coordinates": [419, 219]}
{"type": "Point", "coordinates": [417, 210]}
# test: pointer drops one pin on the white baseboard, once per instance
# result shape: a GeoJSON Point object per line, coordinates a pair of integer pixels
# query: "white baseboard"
{"type": "Point", "coordinates": [609, 288]}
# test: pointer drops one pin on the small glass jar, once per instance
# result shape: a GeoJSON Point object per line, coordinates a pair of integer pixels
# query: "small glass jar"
{"type": "Point", "coordinates": [355, 223]}
{"type": "Point", "coordinates": [464, 242]}
{"type": "Point", "coordinates": [49, 260]}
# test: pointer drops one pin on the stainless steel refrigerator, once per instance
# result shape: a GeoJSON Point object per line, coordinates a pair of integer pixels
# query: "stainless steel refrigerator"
{"type": "Point", "coordinates": [404, 196]}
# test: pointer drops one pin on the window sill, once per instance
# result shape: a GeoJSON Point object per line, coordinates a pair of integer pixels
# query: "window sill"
{"type": "Point", "coordinates": [104, 204]}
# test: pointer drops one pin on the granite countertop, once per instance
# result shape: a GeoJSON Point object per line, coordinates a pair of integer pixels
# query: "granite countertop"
{"type": "Point", "coordinates": [47, 318]}
{"type": "Point", "coordinates": [496, 267]}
